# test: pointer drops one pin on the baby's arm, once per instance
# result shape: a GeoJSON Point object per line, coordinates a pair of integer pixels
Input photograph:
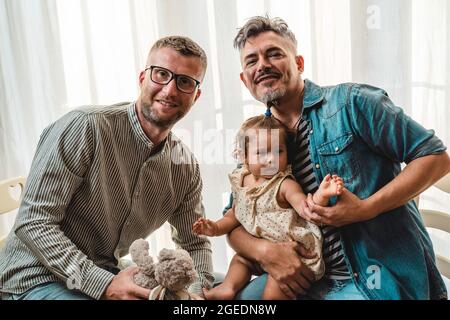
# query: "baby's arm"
{"type": "Point", "coordinates": [216, 228]}
{"type": "Point", "coordinates": [331, 186]}
{"type": "Point", "coordinates": [291, 195]}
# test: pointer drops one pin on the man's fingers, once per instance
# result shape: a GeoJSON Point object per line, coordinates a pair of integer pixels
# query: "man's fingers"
{"type": "Point", "coordinates": [287, 291]}
{"type": "Point", "coordinates": [318, 220]}
{"type": "Point", "coordinates": [303, 283]}
{"type": "Point", "coordinates": [297, 287]}
{"type": "Point", "coordinates": [140, 292]}
{"type": "Point", "coordinates": [131, 271]}
{"type": "Point", "coordinates": [312, 206]}
{"type": "Point", "coordinates": [316, 209]}
{"type": "Point", "coordinates": [313, 217]}
{"type": "Point", "coordinates": [316, 212]}
{"type": "Point", "coordinates": [303, 208]}
{"type": "Point", "coordinates": [307, 213]}
{"type": "Point", "coordinates": [302, 251]}
{"type": "Point", "coordinates": [308, 274]}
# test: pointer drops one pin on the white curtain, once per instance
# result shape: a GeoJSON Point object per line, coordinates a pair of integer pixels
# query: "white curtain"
{"type": "Point", "coordinates": [56, 55]}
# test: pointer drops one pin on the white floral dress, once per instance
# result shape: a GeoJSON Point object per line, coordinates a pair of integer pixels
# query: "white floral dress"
{"type": "Point", "coordinates": [258, 211]}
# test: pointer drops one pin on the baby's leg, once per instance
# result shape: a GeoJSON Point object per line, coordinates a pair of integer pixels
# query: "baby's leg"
{"type": "Point", "coordinates": [238, 275]}
{"type": "Point", "coordinates": [272, 290]}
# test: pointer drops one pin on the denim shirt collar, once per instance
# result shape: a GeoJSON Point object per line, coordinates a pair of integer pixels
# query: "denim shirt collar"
{"type": "Point", "coordinates": [313, 94]}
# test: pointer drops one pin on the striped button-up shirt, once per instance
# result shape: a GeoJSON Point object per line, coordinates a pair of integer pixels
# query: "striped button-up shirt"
{"type": "Point", "coordinates": [94, 187]}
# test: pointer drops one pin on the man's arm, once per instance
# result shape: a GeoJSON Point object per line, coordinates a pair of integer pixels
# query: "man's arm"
{"type": "Point", "coordinates": [386, 129]}
{"type": "Point", "coordinates": [416, 177]}
{"type": "Point", "coordinates": [63, 155]}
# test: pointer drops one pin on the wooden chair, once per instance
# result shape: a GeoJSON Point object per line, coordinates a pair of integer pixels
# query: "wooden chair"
{"type": "Point", "coordinates": [439, 220]}
{"type": "Point", "coordinates": [7, 201]}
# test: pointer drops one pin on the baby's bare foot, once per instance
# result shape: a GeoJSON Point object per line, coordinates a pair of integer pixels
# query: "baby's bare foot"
{"type": "Point", "coordinates": [221, 292]}
{"type": "Point", "coordinates": [331, 186]}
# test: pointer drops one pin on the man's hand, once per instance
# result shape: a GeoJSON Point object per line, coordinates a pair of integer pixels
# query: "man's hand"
{"type": "Point", "coordinates": [349, 209]}
{"type": "Point", "coordinates": [306, 213]}
{"type": "Point", "coordinates": [122, 287]}
{"type": "Point", "coordinates": [282, 262]}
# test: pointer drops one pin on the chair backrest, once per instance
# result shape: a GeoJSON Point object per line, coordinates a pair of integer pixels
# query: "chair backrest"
{"type": "Point", "coordinates": [7, 201]}
{"type": "Point", "coordinates": [441, 221]}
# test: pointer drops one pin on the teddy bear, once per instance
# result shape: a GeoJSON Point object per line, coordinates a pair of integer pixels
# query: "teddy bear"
{"type": "Point", "coordinates": [167, 279]}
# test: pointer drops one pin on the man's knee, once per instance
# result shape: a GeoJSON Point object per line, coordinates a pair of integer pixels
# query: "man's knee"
{"type": "Point", "coordinates": [52, 291]}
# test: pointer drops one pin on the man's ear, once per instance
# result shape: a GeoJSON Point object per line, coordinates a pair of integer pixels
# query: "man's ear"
{"type": "Point", "coordinates": [141, 77]}
{"type": "Point", "coordinates": [241, 75]}
{"type": "Point", "coordinates": [198, 94]}
{"type": "Point", "coordinates": [300, 63]}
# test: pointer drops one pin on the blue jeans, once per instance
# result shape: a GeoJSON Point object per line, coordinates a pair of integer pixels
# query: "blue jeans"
{"type": "Point", "coordinates": [324, 289]}
{"type": "Point", "coordinates": [49, 291]}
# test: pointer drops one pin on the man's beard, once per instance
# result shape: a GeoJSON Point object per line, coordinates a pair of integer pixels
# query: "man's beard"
{"type": "Point", "coordinates": [272, 96]}
{"type": "Point", "coordinates": [151, 116]}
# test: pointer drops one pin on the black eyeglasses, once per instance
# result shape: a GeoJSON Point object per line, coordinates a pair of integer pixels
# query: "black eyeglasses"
{"type": "Point", "coordinates": [163, 76]}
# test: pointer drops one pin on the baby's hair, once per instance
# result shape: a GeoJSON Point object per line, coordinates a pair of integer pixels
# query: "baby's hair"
{"type": "Point", "coordinates": [255, 123]}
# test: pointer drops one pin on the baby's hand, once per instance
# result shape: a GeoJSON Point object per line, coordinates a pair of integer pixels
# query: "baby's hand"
{"type": "Point", "coordinates": [331, 186]}
{"type": "Point", "coordinates": [206, 227]}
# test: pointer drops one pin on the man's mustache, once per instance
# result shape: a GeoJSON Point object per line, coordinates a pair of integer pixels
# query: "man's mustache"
{"type": "Point", "coordinates": [266, 73]}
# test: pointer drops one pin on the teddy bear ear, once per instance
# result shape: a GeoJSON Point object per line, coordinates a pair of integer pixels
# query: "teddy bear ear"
{"type": "Point", "coordinates": [184, 253]}
{"type": "Point", "coordinates": [138, 249]}
{"type": "Point", "coordinates": [167, 254]}
{"type": "Point", "coordinates": [140, 244]}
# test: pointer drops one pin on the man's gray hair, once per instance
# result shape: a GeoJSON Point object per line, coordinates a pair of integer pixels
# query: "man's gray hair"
{"type": "Point", "coordinates": [259, 24]}
{"type": "Point", "coordinates": [184, 46]}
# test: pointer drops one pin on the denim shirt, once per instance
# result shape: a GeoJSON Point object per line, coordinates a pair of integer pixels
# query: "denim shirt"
{"type": "Point", "coordinates": [358, 133]}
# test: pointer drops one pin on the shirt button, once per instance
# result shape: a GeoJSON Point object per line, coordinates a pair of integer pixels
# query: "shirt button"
{"type": "Point", "coordinates": [311, 131]}
{"type": "Point", "coordinates": [336, 149]}
{"type": "Point", "coordinates": [317, 166]}
{"type": "Point", "coordinates": [355, 275]}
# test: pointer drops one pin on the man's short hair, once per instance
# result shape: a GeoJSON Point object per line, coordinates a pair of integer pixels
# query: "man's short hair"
{"type": "Point", "coordinates": [184, 46]}
{"type": "Point", "coordinates": [259, 24]}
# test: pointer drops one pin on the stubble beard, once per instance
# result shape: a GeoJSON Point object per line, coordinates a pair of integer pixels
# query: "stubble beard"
{"type": "Point", "coordinates": [151, 116]}
{"type": "Point", "coordinates": [271, 96]}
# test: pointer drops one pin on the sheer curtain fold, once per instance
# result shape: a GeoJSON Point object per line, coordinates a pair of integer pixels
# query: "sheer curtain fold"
{"type": "Point", "coordinates": [56, 55]}
{"type": "Point", "coordinates": [31, 79]}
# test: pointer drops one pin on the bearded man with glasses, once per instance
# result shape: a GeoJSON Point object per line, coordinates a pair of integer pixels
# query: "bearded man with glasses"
{"type": "Point", "coordinates": [103, 177]}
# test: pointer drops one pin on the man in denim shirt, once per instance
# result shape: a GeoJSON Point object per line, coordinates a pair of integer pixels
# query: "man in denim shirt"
{"type": "Point", "coordinates": [356, 132]}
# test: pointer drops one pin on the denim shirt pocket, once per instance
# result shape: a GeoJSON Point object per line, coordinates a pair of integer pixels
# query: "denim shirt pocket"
{"type": "Point", "coordinates": [338, 157]}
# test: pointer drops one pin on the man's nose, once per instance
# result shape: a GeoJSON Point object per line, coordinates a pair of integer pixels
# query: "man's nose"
{"type": "Point", "coordinates": [170, 88]}
{"type": "Point", "coordinates": [264, 65]}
